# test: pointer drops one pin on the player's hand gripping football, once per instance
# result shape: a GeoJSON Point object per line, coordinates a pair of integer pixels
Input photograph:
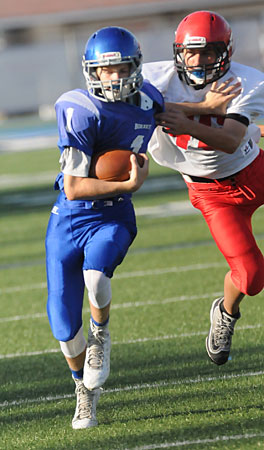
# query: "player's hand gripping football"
{"type": "Point", "coordinates": [137, 174]}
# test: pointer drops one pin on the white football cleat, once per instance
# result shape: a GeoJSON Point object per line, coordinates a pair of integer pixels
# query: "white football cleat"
{"type": "Point", "coordinates": [219, 339]}
{"type": "Point", "coordinates": [85, 412]}
{"type": "Point", "coordinates": [97, 361]}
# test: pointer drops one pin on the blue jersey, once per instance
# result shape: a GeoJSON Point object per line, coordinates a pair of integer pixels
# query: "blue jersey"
{"type": "Point", "coordinates": [92, 126]}
{"type": "Point", "coordinates": [92, 235]}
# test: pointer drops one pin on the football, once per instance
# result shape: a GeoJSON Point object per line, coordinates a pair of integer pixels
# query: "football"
{"type": "Point", "coordinates": [113, 165]}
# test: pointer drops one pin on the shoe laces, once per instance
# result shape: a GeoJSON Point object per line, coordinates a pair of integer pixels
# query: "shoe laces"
{"type": "Point", "coordinates": [224, 330]}
{"type": "Point", "coordinates": [95, 348]}
{"type": "Point", "coordinates": [85, 399]}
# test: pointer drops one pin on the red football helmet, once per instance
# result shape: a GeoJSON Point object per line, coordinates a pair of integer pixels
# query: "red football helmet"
{"type": "Point", "coordinates": [197, 31]}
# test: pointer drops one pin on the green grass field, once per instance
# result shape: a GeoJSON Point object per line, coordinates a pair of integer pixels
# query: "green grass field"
{"type": "Point", "coordinates": [163, 392]}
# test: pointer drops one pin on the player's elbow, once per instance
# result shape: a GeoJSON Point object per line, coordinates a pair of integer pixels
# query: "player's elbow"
{"type": "Point", "coordinates": [233, 134]}
{"type": "Point", "coordinates": [70, 188]}
{"type": "Point", "coordinates": [70, 194]}
{"type": "Point", "coordinates": [230, 149]}
{"type": "Point", "coordinates": [71, 197]}
{"type": "Point", "coordinates": [232, 144]}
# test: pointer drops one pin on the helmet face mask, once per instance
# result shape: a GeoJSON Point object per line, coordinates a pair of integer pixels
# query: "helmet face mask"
{"type": "Point", "coordinates": [201, 31]}
{"type": "Point", "coordinates": [112, 46]}
{"type": "Point", "coordinates": [203, 74]}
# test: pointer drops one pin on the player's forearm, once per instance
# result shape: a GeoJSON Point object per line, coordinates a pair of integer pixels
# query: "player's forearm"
{"type": "Point", "coordinates": [217, 138]}
{"type": "Point", "coordinates": [189, 109]}
{"type": "Point", "coordinates": [77, 188]}
{"type": "Point", "coordinates": [226, 139]}
{"type": "Point", "coordinates": [89, 188]}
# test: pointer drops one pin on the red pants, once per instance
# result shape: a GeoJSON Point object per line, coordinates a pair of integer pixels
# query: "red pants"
{"type": "Point", "coordinates": [227, 208]}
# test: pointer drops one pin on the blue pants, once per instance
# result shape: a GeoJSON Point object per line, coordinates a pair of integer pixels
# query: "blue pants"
{"type": "Point", "coordinates": [82, 235]}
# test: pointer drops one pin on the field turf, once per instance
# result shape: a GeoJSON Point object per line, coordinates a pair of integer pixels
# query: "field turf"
{"type": "Point", "coordinates": [163, 391]}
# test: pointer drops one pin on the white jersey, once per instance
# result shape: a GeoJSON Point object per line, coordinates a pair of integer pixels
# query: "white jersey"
{"type": "Point", "coordinates": [187, 154]}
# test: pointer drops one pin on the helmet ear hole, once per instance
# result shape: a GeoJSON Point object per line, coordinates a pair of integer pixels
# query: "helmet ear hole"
{"type": "Point", "coordinates": [112, 46]}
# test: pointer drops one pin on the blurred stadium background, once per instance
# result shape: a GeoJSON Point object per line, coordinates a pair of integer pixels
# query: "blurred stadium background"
{"type": "Point", "coordinates": [162, 388]}
{"type": "Point", "coordinates": [41, 46]}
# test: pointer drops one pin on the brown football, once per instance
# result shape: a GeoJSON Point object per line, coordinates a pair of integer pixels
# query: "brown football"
{"type": "Point", "coordinates": [113, 165]}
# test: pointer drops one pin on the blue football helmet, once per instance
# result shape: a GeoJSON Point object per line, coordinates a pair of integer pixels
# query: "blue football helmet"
{"type": "Point", "coordinates": [110, 46]}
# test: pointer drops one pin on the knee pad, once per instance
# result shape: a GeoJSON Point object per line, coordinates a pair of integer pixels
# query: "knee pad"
{"type": "Point", "coordinates": [256, 284]}
{"type": "Point", "coordinates": [75, 346]}
{"type": "Point", "coordinates": [99, 288]}
{"type": "Point", "coordinates": [258, 280]}
{"type": "Point", "coordinates": [249, 277]}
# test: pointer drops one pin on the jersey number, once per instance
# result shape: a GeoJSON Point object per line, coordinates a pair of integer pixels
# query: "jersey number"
{"type": "Point", "coordinates": [137, 143]}
{"type": "Point", "coordinates": [185, 140]}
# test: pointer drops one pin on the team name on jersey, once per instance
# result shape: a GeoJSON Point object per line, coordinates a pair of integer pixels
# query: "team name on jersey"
{"type": "Point", "coordinates": [142, 126]}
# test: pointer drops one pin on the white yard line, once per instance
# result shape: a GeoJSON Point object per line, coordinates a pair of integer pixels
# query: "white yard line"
{"type": "Point", "coordinates": [217, 439]}
{"type": "Point", "coordinates": [171, 209]}
{"type": "Point", "coordinates": [27, 179]}
{"type": "Point", "coordinates": [131, 341]}
{"type": "Point", "coordinates": [123, 275]}
{"type": "Point", "coordinates": [41, 315]}
{"type": "Point", "coordinates": [175, 269]}
{"type": "Point", "coordinates": [135, 304]}
{"type": "Point", "coordinates": [136, 387]}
